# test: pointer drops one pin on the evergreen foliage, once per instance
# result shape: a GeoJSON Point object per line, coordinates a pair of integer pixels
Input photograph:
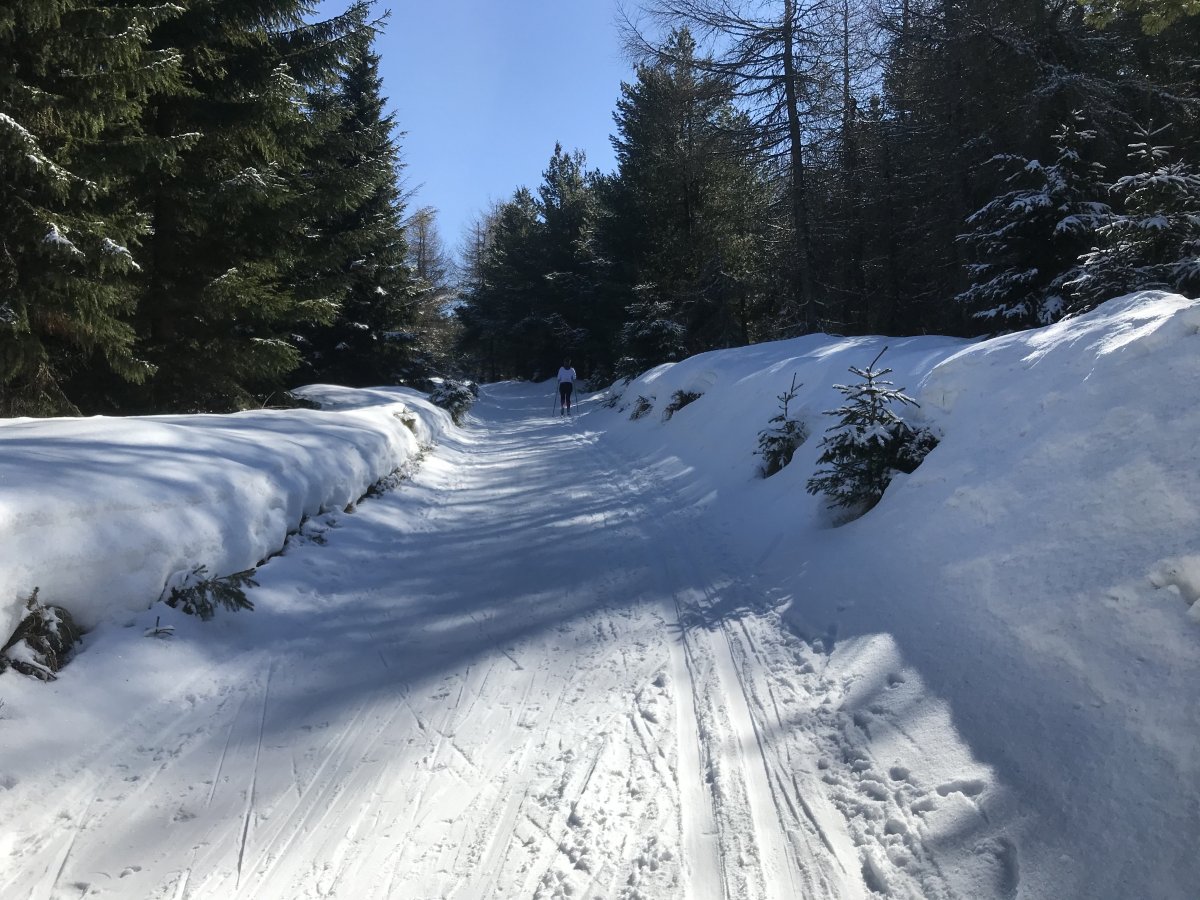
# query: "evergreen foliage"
{"type": "Point", "coordinates": [200, 595]}
{"type": "Point", "coordinates": [1026, 241]}
{"type": "Point", "coordinates": [679, 400]}
{"type": "Point", "coordinates": [685, 215]}
{"type": "Point", "coordinates": [360, 262]}
{"type": "Point", "coordinates": [869, 443]}
{"type": "Point", "coordinates": [203, 202]}
{"type": "Point", "coordinates": [42, 642]}
{"type": "Point", "coordinates": [1154, 242]}
{"type": "Point", "coordinates": [74, 81]}
{"type": "Point", "coordinates": [778, 442]}
{"type": "Point", "coordinates": [641, 407]}
{"type": "Point", "coordinates": [455, 396]}
{"type": "Point", "coordinates": [227, 281]}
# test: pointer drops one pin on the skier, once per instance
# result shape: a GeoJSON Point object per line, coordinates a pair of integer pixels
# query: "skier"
{"type": "Point", "coordinates": [566, 386]}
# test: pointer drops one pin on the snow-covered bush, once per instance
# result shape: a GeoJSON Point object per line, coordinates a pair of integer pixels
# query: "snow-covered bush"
{"type": "Point", "coordinates": [42, 642]}
{"type": "Point", "coordinates": [778, 442]}
{"type": "Point", "coordinates": [679, 400]}
{"type": "Point", "coordinates": [869, 444]}
{"type": "Point", "coordinates": [641, 407]}
{"type": "Point", "coordinates": [454, 396]}
{"type": "Point", "coordinates": [198, 595]}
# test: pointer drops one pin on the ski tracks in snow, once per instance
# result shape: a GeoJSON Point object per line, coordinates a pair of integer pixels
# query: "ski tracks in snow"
{"type": "Point", "coordinates": [529, 673]}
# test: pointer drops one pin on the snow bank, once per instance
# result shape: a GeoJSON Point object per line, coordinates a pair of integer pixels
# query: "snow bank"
{"type": "Point", "coordinates": [1040, 570]}
{"type": "Point", "coordinates": [100, 512]}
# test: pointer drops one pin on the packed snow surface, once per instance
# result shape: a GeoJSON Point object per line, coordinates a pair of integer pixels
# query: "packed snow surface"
{"type": "Point", "coordinates": [600, 657]}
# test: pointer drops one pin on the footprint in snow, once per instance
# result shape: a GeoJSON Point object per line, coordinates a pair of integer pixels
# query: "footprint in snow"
{"type": "Point", "coordinates": [971, 787]}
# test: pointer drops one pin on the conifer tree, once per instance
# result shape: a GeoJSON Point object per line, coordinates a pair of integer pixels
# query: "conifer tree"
{"type": "Point", "coordinates": [73, 81]}
{"type": "Point", "coordinates": [503, 304]}
{"type": "Point", "coordinates": [1154, 240]}
{"type": "Point", "coordinates": [231, 222]}
{"type": "Point", "coordinates": [534, 293]}
{"type": "Point", "coordinates": [1026, 242]}
{"type": "Point", "coordinates": [686, 213]}
{"type": "Point", "coordinates": [869, 443]}
{"type": "Point", "coordinates": [435, 275]}
{"type": "Point", "coordinates": [357, 252]}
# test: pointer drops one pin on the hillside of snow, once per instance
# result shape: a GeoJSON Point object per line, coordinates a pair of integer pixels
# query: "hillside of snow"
{"type": "Point", "coordinates": [601, 656]}
{"type": "Point", "coordinates": [1040, 571]}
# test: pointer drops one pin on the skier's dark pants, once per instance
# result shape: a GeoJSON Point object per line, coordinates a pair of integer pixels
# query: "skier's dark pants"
{"type": "Point", "coordinates": [564, 394]}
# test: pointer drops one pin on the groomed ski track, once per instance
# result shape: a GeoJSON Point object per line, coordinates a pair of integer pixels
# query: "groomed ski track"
{"type": "Point", "coordinates": [531, 671]}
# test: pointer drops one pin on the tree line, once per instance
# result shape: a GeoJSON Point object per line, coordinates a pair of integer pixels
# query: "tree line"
{"type": "Point", "coordinates": [202, 205]}
{"type": "Point", "coordinates": [852, 166]}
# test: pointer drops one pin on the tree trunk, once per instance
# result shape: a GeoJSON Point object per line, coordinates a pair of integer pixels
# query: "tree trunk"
{"type": "Point", "coordinates": [802, 262]}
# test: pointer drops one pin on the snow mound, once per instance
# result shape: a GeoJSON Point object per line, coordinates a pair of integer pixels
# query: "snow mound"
{"type": "Point", "coordinates": [1040, 571]}
{"type": "Point", "coordinates": [99, 513]}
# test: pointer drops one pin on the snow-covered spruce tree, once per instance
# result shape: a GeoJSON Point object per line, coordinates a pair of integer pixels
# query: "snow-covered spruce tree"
{"type": "Point", "coordinates": [357, 253]}
{"type": "Point", "coordinates": [228, 256]}
{"type": "Point", "coordinates": [456, 397]}
{"type": "Point", "coordinates": [42, 642]}
{"type": "Point", "coordinates": [870, 442]}
{"type": "Point", "coordinates": [74, 79]}
{"type": "Point", "coordinates": [1026, 242]}
{"type": "Point", "coordinates": [652, 334]}
{"type": "Point", "coordinates": [778, 442]}
{"type": "Point", "coordinates": [1154, 242]}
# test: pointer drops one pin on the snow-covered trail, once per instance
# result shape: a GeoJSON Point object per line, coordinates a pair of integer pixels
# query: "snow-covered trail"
{"type": "Point", "coordinates": [527, 672]}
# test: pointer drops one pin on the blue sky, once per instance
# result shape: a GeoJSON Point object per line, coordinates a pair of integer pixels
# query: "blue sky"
{"type": "Point", "coordinates": [484, 88]}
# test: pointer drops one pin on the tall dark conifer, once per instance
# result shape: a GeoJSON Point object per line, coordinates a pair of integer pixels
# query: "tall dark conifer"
{"type": "Point", "coordinates": [229, 213]}
{"type": "Point", "coordinates": [73, 82]}
{"type": "Point", "coordinates": [355, 252]}
{"type": "Point", "coordinates": [687, 211]}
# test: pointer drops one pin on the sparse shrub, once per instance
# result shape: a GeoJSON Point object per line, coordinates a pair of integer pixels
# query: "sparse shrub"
{"type": "Point", "coordinates": [777, 444]}
{"type": "Point", "coordinates": [869, 444]}
{"type": "Point", "coordinates": [42, 642]}
{"type": "Point", "coordinates": [199, 595]}
{"type": "Point", "coordinates": [641, 407]}
{"type": "Point", "coordinates": [454, 396]}
{"type": "Point", "coordinates": [679, 400]}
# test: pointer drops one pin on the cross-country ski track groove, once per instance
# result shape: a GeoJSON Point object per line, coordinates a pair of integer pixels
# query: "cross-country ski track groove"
{"type": "Point", "coordinates": [532, 671]}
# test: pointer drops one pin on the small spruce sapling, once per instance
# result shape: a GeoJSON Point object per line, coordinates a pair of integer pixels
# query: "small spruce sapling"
{"type": "Point", "coordinates": [42, 642]}
{"type": "Point", "coordinates": [870, 442]}
{"type": "Point", "coordinates": [641, 407]}
{"type": "Point", "coordinates": [199, 595]}
{"type": "Point", "coordinates": [679, 400]}
{"type": "Point", "coordinates": [777, 443]}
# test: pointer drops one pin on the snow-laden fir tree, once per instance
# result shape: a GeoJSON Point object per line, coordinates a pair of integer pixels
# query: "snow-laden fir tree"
{"type": "Point", "coordinates": [652, 333]}
{"type": "Point", "coordinates": [357, 255]}
{"type": "Point", "coordinates": [228, 259]}
{"type": "Point", "coordinates": [1026, 242]}
{"type": "Point", "coordinates": [74, 79]}
{"type": "Point", "coordinates": [1154, 241]}
{"type": "Point", "coordinates": [869, 443]}
{"type": "Point", "coordinates": [778, 442]}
